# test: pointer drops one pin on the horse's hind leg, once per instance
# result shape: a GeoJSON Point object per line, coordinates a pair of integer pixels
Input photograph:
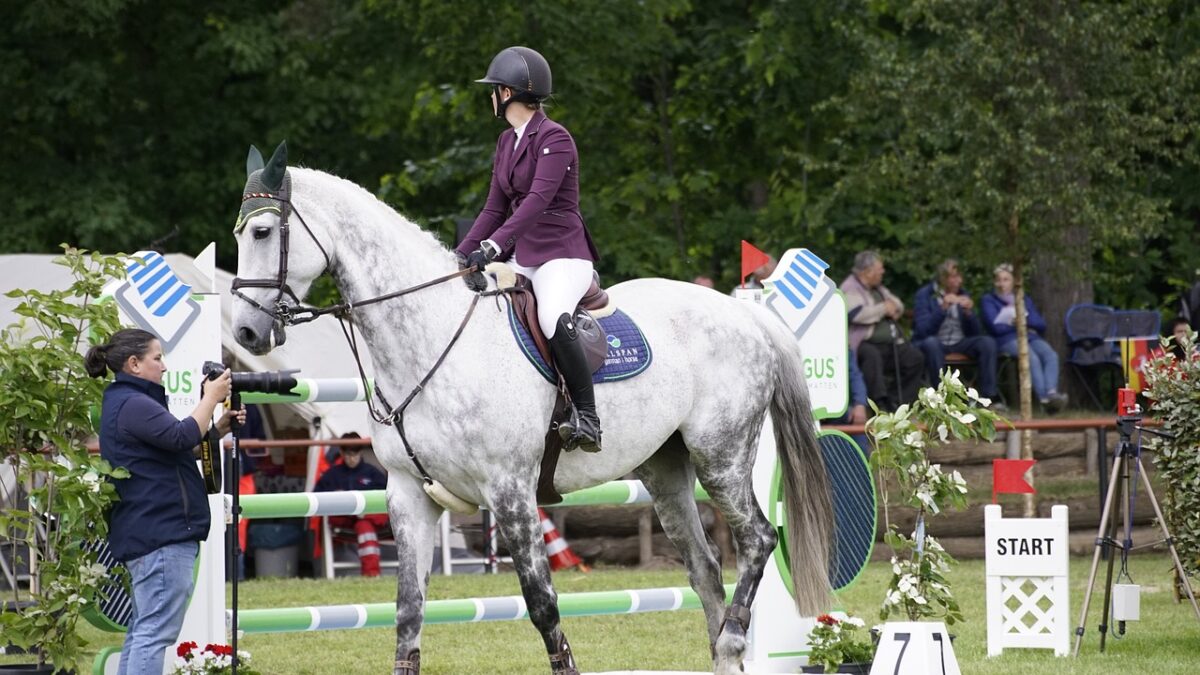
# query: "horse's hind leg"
{"type": "Point", "coordinates": [727, 476]}
{"type": "Point", "coordinates": [670, 479]}
{"type": "Point", "coordinates": [516, 514]}
{"type": "Point", "coordinates": [413, 518]}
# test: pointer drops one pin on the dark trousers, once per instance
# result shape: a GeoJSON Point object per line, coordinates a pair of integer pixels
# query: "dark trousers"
{"type": "Point", "coordinates": [981, 348]}
{"type": "Point", "coordinates": [878, 360]}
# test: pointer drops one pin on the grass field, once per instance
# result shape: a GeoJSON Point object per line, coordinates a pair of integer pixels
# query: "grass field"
{"type": "Point", "coordinates": [1167, 640]}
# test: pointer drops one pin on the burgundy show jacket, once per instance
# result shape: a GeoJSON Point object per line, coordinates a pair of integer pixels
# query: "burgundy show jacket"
{"type": "Point", "coordinates": [532, 207]}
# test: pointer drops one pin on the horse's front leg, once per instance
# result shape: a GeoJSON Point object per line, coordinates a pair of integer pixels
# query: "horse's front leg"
{"type": "Point", "coordinates": [413, 518]}
{"type": "Point", "coordinates": [516, 514]}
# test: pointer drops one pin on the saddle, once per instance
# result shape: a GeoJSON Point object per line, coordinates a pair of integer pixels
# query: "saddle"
{"type": "Point", "coordinates": [594, 305]}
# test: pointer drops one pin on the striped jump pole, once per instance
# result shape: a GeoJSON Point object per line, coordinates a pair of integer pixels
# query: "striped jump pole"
{"type": "Point", "coordinates": [465, 610]}
{"type": "Point", "coordinates": [358, 502]}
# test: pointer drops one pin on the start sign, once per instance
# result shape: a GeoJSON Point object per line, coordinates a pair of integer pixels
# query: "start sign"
{"type": "Point", "coordinates": [1026, 567]}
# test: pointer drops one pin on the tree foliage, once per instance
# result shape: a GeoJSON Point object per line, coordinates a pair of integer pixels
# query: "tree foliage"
{"type": "Point", "coordinates": [698, 124]}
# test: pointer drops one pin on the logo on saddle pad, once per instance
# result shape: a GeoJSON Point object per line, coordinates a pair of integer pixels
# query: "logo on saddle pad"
{"type": "Point", "coordinates": [614, 342]}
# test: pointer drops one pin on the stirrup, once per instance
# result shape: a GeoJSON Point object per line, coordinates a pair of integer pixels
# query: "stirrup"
{"type": "Point", "coordinates": [574, 438]}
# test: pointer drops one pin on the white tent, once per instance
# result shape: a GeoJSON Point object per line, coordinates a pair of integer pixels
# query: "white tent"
{"type": "Point", "coordinates": [318, 348]}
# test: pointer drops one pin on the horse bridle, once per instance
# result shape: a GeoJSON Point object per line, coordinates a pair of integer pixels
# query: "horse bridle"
{"type": "Point", "coordinates": [280, 312]}
{"type": "Point", "coordinates": [283, 315]}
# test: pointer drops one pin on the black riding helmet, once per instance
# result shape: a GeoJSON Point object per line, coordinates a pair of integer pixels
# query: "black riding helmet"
{"type": "Point", "coordinates": [523, 70]}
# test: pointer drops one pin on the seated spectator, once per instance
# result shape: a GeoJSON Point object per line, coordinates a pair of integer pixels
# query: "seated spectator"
{"type": "Point", "coordinates": [875, 336]}
{"type": "Point", "coordinates": [352, 473]}
{"type": "Point", "coordinates": [1179, 327]}
{"type": "Point", "coordinates": [1000, 317]}
{"type": "Point", "coordinates": [944, 322]}
{"type": "Point", "coordinates": [856, 412]}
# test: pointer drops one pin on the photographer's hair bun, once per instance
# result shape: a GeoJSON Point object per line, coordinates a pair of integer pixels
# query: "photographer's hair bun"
{"type": "Point", "coordinates": [113, 354]}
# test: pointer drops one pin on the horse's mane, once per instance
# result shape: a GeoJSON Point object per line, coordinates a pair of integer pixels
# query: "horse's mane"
{"type": "Point", "coordinates": [362, 198]}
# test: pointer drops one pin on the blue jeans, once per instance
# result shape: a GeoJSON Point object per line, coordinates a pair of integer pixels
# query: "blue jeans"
{"type": "Point", "coordinates": [162, 587]}
{"type": "Point", "coordinates": [1043, 366]}
{"type": "Point", "coordinates": [982, 348]}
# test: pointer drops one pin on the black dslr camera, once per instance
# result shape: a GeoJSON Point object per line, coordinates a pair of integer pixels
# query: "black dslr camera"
{"type": "Point", "coordinates": [274, 382]}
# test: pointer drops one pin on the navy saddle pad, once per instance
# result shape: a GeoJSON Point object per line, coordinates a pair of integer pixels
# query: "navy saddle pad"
{"type": "Point", "coordinates": [628, 352]}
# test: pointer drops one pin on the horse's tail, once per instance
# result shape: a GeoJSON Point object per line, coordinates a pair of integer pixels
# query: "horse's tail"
{"type": "Point", "coordinates": [807, 503]}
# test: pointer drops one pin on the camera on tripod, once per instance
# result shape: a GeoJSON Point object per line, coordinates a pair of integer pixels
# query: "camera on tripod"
{"type": "Point", "coordinates": [271, 382]}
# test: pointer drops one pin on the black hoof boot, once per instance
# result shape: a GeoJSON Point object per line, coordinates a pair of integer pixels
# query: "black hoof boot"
{"type": "Point", "coordinates": [582, 429]}
{"type": "Point", "coordinates": [562, 662]}
{"type": "Point", "coordinates": [409, 665]}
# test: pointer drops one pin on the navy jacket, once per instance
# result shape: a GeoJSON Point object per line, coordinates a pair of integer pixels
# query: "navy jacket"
{"type": "Point", "coordinates": [928, 314]}
{"type": "Point", "coordinates": [341, 477]}
{"type": "Point", "coordinates": [1005, 333]}
{"type": "Point", "coordinates": [163, 501]}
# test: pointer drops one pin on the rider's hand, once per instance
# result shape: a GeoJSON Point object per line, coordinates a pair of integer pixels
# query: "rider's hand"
{"type": "Point", "coordinates": [480, 257]}
{"type": "Point", "coordinates": [477, 260]}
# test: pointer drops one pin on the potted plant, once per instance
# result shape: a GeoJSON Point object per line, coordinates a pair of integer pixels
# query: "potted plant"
{"type": "Point", "coordinates": [839, 646]}
{"type": "Point", "coordinates": [214, 659]}
{"type": "Point", "coordinates": [918, 589]}
{"type": "Point", "coordinates": [46, 401]}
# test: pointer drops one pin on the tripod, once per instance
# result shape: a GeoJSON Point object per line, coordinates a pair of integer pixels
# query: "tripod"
{"type": "Point", "coordinates": [1124, 458]}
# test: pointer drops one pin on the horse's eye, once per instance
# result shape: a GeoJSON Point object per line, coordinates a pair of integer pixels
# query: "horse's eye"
{"type": "Point", "coordinates": [262, 232]}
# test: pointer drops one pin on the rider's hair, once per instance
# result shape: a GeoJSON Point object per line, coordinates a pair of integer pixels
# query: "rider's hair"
{"type": "Point", "coordinates": [113, 354]}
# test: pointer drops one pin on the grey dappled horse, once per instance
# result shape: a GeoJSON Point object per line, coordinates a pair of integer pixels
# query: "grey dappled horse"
{"type": "Point", "coordinates": [478, 425]}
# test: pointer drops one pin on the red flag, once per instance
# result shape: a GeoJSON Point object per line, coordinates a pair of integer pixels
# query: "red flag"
{"type": "Point", "coordinates": [1008, 477]}
{"type": "Point", "coordinates": [752, 259]}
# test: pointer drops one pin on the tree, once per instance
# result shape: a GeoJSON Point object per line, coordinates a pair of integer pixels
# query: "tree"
{"type": "Point", "coordinates": [1026, 131]}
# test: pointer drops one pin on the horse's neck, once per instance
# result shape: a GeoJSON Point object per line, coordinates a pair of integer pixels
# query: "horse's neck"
{"type": "Point", "coordinates": [379, 252]}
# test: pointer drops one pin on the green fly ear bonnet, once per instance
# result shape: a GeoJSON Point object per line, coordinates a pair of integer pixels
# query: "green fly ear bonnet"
{"type": "Point", "coordinates": [265, 185]}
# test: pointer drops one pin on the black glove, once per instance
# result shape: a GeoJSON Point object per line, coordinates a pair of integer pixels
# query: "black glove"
{"type": "Point", "coordinates": [477, 260]}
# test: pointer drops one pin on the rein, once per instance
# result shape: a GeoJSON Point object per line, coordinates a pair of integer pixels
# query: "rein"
{"type": "Point", "coordinates": [284, 315]}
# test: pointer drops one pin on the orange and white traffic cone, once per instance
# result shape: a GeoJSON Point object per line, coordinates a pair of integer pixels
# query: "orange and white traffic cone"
{"type": "Point", "coordinates": [561, 556]}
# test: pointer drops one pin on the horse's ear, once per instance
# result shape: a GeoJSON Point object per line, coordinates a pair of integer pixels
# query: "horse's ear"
{"type": "Point", "coordinates": [254, 161]}
{"type": "Point", "coordinates": [272, 175]}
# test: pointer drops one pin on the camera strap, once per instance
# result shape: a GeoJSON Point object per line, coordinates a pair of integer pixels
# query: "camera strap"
{"type": "Point", "coordinates": [210, 460]}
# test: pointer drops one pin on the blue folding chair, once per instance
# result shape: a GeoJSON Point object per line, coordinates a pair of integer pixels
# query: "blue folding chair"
{"type": "Point", "coordinates": [1090, 329]}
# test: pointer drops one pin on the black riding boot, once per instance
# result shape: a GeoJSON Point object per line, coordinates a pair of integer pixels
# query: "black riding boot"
{"type": "Point", "coordinates": [582, 429]}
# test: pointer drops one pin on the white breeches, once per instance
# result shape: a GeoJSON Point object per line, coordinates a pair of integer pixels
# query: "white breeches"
{"type": "Point", "coordinates": [559, 285]}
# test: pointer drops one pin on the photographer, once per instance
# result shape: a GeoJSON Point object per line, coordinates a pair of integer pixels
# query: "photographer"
{"type": "Point", "coordinates": [163, 512]}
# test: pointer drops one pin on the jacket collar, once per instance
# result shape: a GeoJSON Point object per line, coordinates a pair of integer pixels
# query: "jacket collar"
{"type": "Point", "coordinates": [155, 391]}
{"type": "Point", "coordinates": [531, 129]}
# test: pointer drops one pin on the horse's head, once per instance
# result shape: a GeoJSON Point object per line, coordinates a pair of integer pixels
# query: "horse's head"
{"type": "Point", "coordinates": [276, 266]}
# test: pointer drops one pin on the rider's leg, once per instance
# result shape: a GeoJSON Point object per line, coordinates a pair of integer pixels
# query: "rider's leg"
{"type": "Point", "coordinates": [559, 284]}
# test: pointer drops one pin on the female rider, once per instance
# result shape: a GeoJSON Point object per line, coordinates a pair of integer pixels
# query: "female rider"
{"type": "Point", "coordinates": [531, 220]}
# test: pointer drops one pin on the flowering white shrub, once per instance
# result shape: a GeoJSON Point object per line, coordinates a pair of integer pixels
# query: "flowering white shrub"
{"type": "Point", "coordinates": [918, 588]}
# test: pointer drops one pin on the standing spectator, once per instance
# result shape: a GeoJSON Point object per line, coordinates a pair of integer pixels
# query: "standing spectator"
{"type": "Point", "coordinates": [875, 336]}
{"type": "Point", "coordinates": [944, 322]}
{"type": "Point", "coordinates": [352, 473]}
{"type": "Point", "coordinates": [1000, 316]}
{"type": "Point", "coordinates": [1179, 333]}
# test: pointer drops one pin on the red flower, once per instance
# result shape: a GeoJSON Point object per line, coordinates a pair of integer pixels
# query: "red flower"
{"type": "Point", "coordinates": [827, 620]}
{"type": "Point", "coordinates": [219, 650]}
{"type": "Point", "coordinates": [184, 650]}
